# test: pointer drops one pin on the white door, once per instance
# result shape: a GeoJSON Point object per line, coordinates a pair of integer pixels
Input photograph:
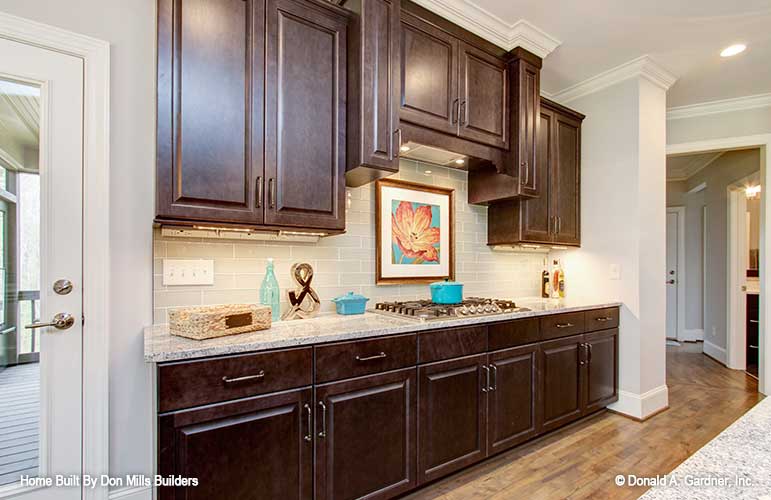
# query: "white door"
{"type": "Point", "coordinates": [41, 165]}
{"type": "Point", "coordinates": [672, 274]}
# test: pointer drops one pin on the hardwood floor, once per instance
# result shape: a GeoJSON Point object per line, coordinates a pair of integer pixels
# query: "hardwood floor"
{"type": "Point", "coordinates": [581, 461]}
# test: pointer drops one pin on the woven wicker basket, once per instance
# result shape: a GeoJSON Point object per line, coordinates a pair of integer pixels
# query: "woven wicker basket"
{"type": "Point", "coordinates": [208, 322]}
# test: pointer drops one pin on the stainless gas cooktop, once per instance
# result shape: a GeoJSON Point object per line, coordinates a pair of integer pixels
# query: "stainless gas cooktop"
{"type": "Point", "coordinates": [425, 310]}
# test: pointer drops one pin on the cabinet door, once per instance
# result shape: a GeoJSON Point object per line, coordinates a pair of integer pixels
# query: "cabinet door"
{"type": "Point", "coordinates": [561, 390]}
{"type": "Point", "coordinates": [484, 97]}
{"type": "Point", "coordinates": [537, 221]}
{"type": "Point", "coordinates": [305, 115]}
{"type": "Point", "coordinates": [526, 106]}
{"type": "Point", "coordinates": [209, 122]}
{"type": "Point", "coordinates": [512, 397]}
{"type": "Point", "coordinates": [256, 448]}
{"type": "Point", "coordinates": [379, 72]}
{"type": "Point", "coordinates": [366, 436]}
{"type": "Point", "coordinates": [429, 74]}
{"type": "Point", "coordinates": [601, 387]}
{"type": "Point", "coordinates": [451, 416]}
{"type": "Point", "coordinates": [566, 180]}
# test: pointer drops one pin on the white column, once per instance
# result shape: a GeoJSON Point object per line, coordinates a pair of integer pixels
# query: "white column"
{"type": "Point", "coordinates": [623, 222]}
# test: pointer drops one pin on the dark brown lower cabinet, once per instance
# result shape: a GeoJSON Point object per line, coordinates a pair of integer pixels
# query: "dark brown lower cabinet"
{"type": "Point", "coordinates": [512, 397]}
{"type": "Point", "coordinates": [601, 370]}
{"type": "Point", "coordinates": [255, 448]}
{"type": "Point", "coordinates": [579, 375]}
{"type": "Point", "coordinates": [452, 413]}
{"type": "Point", "coordinates": [365, 436]}
{"type": "Point", "coordinates": [561, 381]}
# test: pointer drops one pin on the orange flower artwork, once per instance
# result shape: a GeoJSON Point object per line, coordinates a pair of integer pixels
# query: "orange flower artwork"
{"type": "Point", "coordinates": [414, 233]}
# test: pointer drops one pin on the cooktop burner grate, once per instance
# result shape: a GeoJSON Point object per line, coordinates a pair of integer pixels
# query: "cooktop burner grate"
{"type": "Point", "coordinates": [426, 310]}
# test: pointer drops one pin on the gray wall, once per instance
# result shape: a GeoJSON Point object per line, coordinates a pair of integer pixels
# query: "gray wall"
{"type": "Point", "coordinates": [726, 170]}
{"type": "Point", "coordinates": [129, 26]}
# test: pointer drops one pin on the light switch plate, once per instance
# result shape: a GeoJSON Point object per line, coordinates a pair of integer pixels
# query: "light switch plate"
{"type": "Point", "coordinates": [188, 272]}
{"type": "Point", "coordinates": [614, 272]}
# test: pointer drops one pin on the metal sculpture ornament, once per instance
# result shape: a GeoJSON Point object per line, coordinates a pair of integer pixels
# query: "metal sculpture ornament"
{"type": "Point", "coordinates": [304, 302]}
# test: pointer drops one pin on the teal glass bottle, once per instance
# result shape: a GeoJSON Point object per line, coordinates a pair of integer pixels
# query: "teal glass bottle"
{"type": "Point", "coordinates": [270, 294]}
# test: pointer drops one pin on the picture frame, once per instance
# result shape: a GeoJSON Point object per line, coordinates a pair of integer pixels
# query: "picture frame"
{"type": "Point", "coordinates": [414, 233]}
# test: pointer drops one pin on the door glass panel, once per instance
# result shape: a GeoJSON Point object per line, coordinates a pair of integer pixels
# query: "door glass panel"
{"type": "Point", "coordinates": [19, 281]}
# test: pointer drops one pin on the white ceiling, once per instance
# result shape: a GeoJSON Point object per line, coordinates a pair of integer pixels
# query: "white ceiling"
{"type": "Point", "coordinates": [680, 168]}
{"type": "Point", "coordinates": [685, 37]}
{"type": "Point", "coordinates": [19, 125]}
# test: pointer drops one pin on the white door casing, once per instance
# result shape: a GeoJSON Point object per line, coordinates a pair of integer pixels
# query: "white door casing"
{"type": "Point", "coordinates": [60, 78]}
{"type": "Point", "coordinates": [95, 126]}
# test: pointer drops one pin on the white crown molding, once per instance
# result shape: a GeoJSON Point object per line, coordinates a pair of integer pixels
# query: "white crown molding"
{"type": "Point", "coordinates": [721, 106]}
{"type": "Point", "coordinates": [492, 28]}
{"type": "Point", "coordinates": [642, 67]}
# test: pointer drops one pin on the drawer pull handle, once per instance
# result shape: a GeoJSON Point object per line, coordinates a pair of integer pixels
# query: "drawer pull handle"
{"type": "Point", "coordinates": [753, 346]}
{"type": "Point", "coordinates": [370, 358]}
{"type": "Point", "coordinates": [229, 380]}
{"type": "Point", "coordinates": [309, 413]}
{"type": "Point", "coordinates": [323, 432]}
{"type": "Point", "coordinates": [754, 321]}
{"type": "Point", "coordinates": [564, 325]}
{"type": "Point", "coordinates": [604, 319]}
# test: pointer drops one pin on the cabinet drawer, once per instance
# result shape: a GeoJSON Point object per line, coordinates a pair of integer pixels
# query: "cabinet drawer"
{"type": "Point", "coordinates": [562, 325]}
{"type": "Point", "coordinates": [513, 333]}
{"type": "Point", "coordinates": [193, 383]}
{"type": "Point", "coordinates": [602, 319]}
{"type": "Point", "coordinates": [451, 343]}
{"type": "Point", "coordinates": [362, 357]}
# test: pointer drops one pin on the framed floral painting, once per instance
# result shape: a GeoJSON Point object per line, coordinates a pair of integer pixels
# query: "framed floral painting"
{"type": "Point", "coordinates": [415, 227]}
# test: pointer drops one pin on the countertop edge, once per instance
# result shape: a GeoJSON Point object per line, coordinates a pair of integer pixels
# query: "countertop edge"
{"type": "Point", "coordinates": [392, 326]}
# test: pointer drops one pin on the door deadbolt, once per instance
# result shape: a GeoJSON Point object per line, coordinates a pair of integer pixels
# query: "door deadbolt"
{"type": "Point", "coordinates": [62, 287]}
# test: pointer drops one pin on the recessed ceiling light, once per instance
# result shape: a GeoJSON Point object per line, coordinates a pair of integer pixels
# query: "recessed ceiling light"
{"type": "Point", "coordinates": [460, 161]}
{"type": "Point", "coordinates": [404, 149]}
{"type": "Point", "coordinates": [733, 50]}
{"type": "Point", "coordinates": [427, 172]}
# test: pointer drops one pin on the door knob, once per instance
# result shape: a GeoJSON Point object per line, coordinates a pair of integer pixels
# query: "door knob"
{"type": "Point", "coordinates": [670, 282]}
{"type": "Point", "coordinates": [61, 321]}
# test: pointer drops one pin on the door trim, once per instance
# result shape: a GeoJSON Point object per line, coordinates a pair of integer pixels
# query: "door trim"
{"type": "Point", "coordinates": [681, 276]}
{"type": "Point", "coordinates": [96, 224]}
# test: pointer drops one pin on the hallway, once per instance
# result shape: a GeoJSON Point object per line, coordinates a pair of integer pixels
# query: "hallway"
{"type": "Point", "coordinates": [582, 460]}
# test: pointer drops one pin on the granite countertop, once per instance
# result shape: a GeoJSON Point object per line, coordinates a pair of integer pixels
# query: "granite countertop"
{"type": "Point", "coordinates": [739, 458]}
{"type": "Point", "coordinates": [161, 346]}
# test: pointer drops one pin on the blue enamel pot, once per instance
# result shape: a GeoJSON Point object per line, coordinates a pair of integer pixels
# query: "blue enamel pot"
{"type": "Point", "coordinates": [446, 292]}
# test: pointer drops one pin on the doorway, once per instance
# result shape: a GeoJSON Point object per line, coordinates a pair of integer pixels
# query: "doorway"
{"type": "Point", "coordinates": [675, 273]}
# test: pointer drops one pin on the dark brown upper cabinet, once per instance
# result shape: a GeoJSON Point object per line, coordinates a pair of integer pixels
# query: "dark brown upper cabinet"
{"type": "Point", "coordinates": [484, 100]}
{"type": "Point", "coordinates": [429, 74]}
{"type": "Point", "coordinates": [210, 135]}
{"type": "Point", "coordinates": [525, 107]}
{"type": "Point", "coordinates": [553, 218]}
{"type": "Point", "coordinates": [305, 95]}
{"type": "Point", "coordinates": [451, 86]}
{"type": "Point", "coordinates": [374, 82]}
{"type": "Point", "coordinates": [244, 129]}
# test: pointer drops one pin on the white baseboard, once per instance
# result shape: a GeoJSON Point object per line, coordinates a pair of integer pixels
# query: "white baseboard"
{"type": "Point", "coordinates": [716, 352]}
{"type": "Point", "coordinates": [641, 405]}
{"type": "Point", "coordinates": [692, 335]}
{"type": "Point", "coordinates": [134, 493]}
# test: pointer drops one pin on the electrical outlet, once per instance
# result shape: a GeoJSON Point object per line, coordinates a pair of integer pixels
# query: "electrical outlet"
{"type": "Point", "coordinates": [188, 272]}
{"type": "Point", "coordinates": [614, 273]}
